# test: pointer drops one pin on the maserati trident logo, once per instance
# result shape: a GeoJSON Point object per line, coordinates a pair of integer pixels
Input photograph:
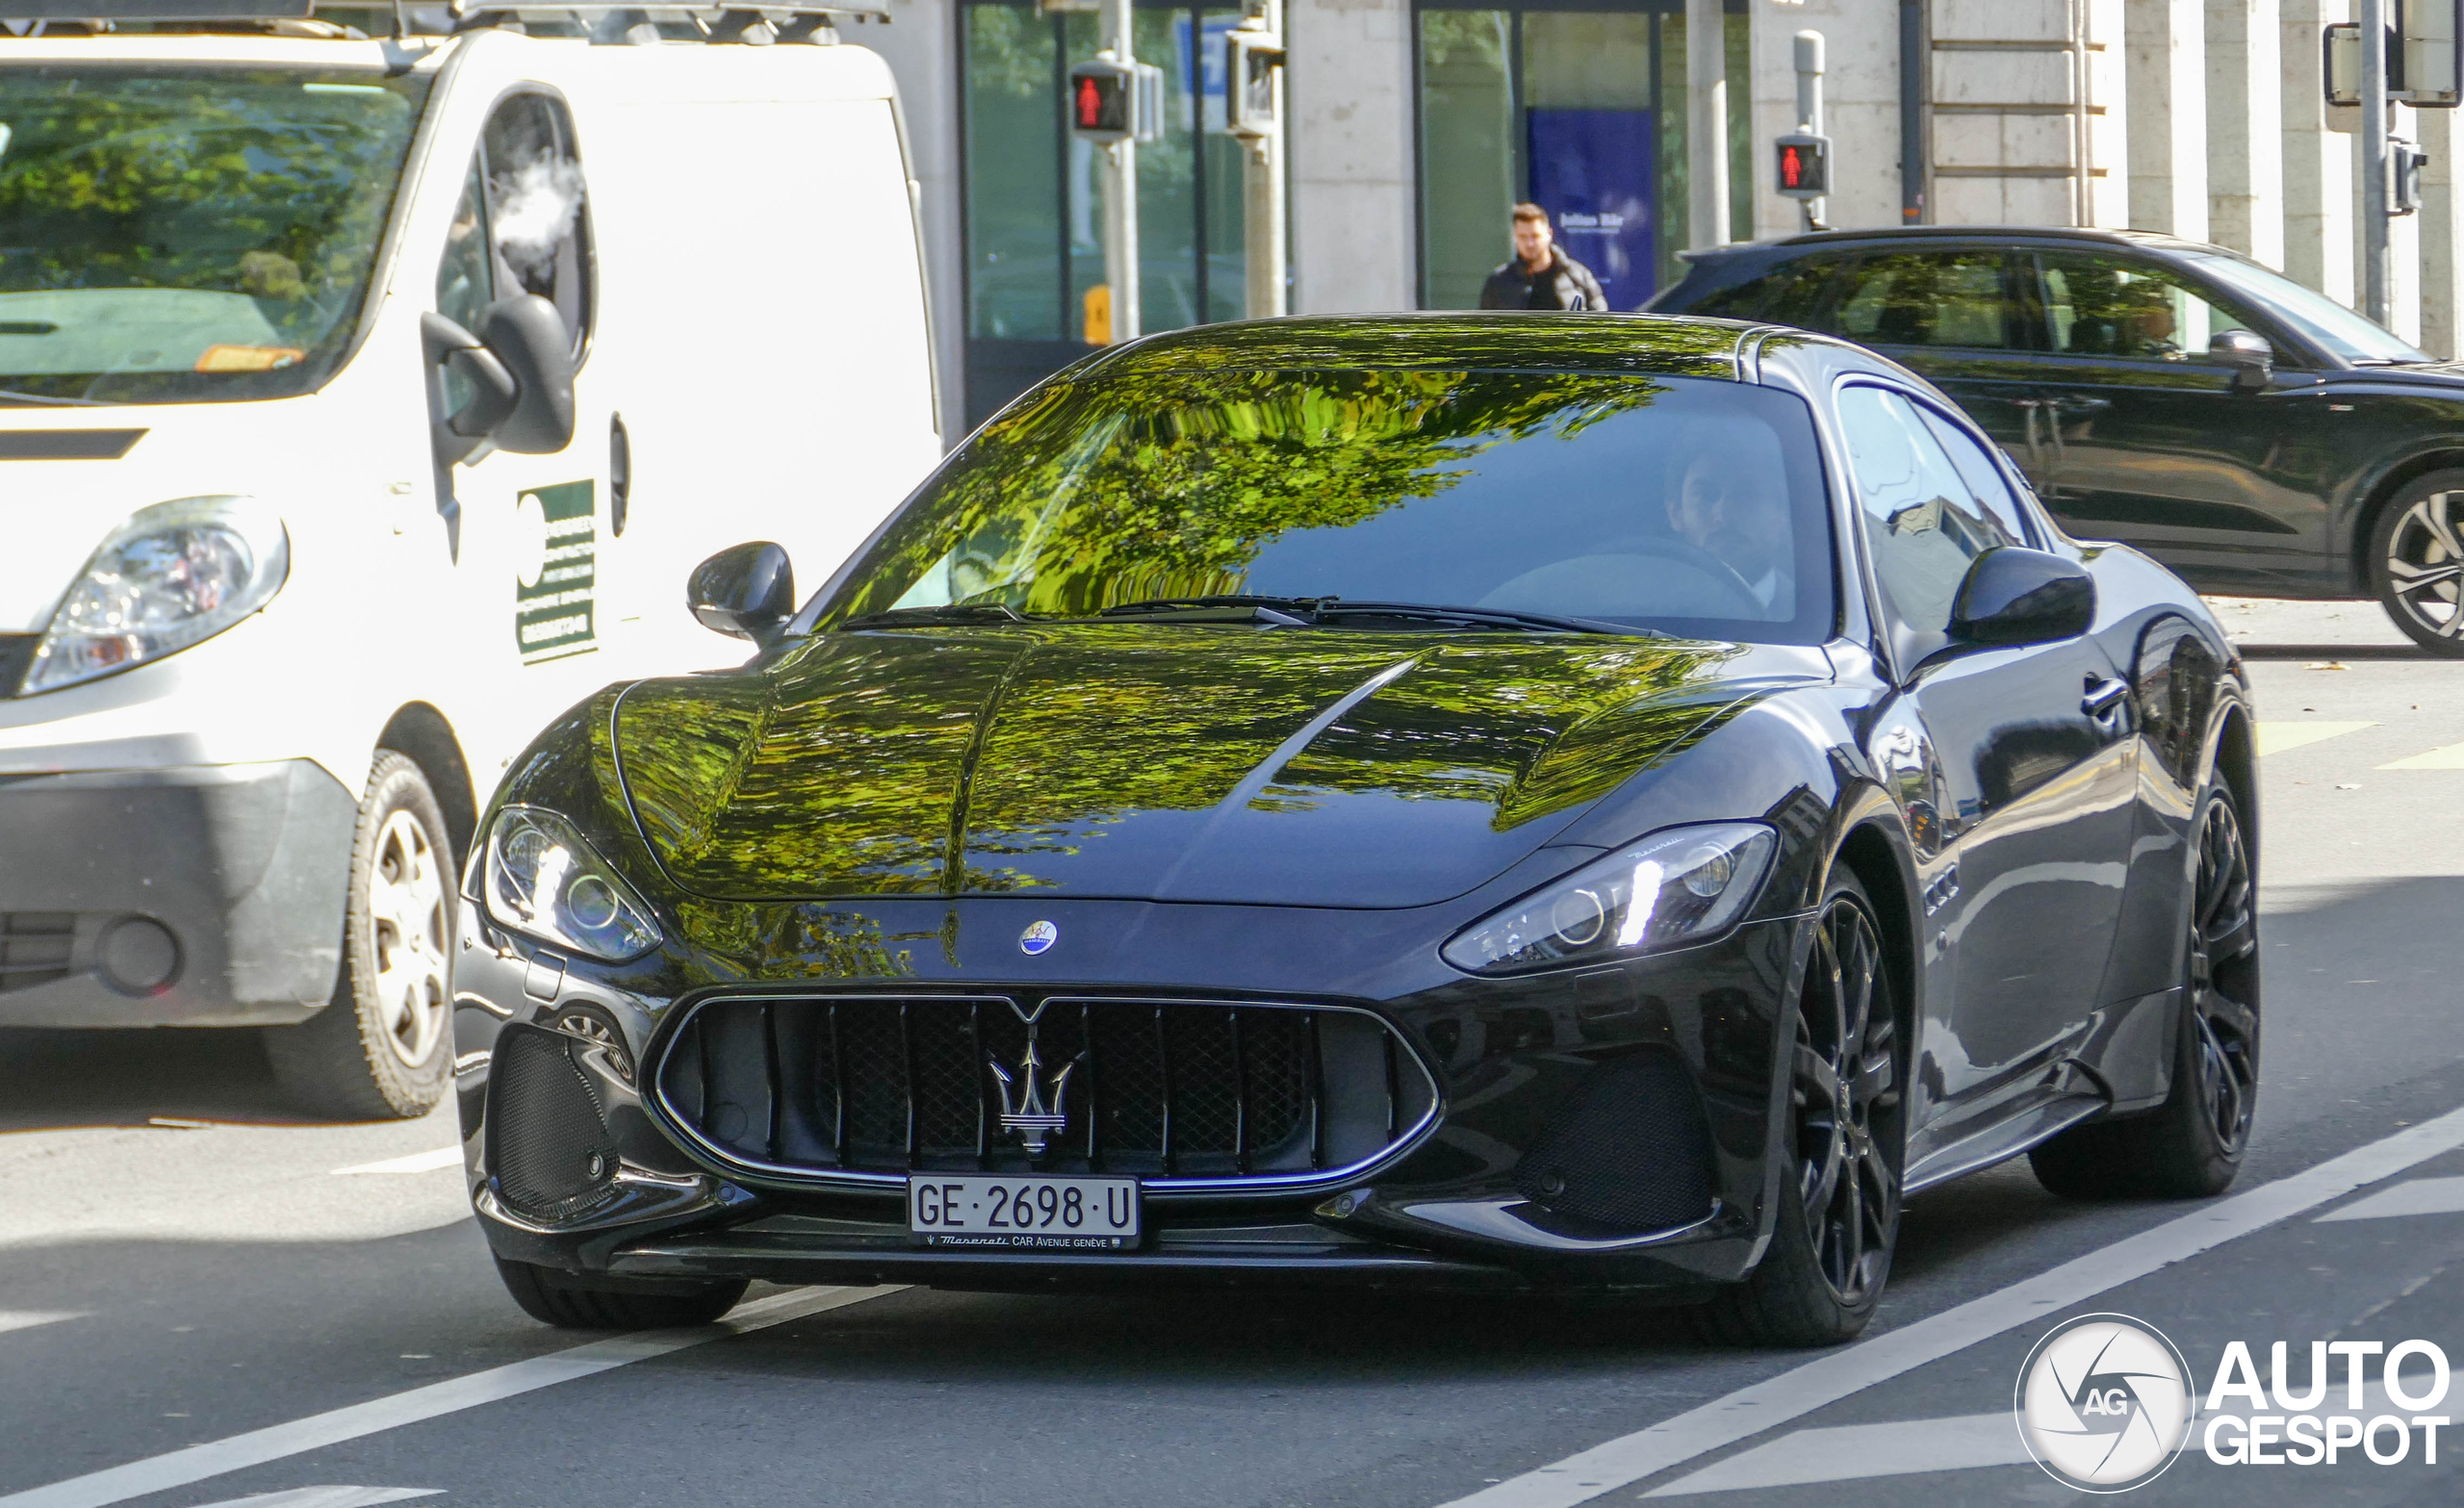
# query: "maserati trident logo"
{"type": "Point", "coordinates": [1038, 936]}
{"type": "Point", "coordinates": [1034, 1104]}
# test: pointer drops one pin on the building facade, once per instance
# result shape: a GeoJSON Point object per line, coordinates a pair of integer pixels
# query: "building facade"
{"type": "Point", "coordinates": [1416, 124]}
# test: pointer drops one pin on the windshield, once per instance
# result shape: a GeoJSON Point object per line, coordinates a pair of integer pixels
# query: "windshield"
{"type": "Point", "coordinates": [187, 235]}
{"type": "Point", "coordinates": [2343, 332]}
{"type": "Point", "coordinates": [1679, 506]}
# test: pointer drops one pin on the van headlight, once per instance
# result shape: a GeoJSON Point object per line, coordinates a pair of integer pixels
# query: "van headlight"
{"type": "Point", "coordinates": [538, 876]}
{"type": "Point", "coordinates": [175, 575]}
{"type": "Point", "coordinates": [1685, 884]}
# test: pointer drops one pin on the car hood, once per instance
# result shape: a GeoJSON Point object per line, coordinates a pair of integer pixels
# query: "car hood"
{"type": "Point", "coordinates": [1154, 762]}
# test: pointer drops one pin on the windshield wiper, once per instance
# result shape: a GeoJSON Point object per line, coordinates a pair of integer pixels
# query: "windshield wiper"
{"type": "Point", "coordinates": [948, 613]}
{"type": "Point", "coordinates": [12, 395]}
{"type": "Point", "coordinates": [1499, 617]}
{"type": "Point", "coordinates": [1177, 604]}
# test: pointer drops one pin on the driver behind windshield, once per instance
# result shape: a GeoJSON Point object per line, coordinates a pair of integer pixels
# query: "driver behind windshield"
{"type": "Point", "coordinates": [1724, 506]}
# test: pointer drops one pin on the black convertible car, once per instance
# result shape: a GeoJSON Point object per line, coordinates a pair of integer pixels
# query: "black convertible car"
{"type": "Point", "coordinates": [1609, 804]}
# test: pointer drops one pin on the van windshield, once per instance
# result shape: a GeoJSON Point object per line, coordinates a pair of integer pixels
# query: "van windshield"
{"type": "Point", "coordinates": [186, 235]}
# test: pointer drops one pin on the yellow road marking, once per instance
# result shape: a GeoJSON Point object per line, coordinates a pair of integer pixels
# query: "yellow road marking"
{"type": "Point", "coordinates": [2277, 737]}
{"type": "Point", "coordinates": [2450, 758]}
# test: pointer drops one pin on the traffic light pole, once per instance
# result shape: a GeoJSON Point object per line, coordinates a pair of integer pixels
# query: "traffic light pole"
{"type": "Point", "coordinates": [1121, 192]}
{"type": "Point", "coordinates": [1262, 187]}
{"type": "Point", "coordinates": [1809, 60]}
{"type": "Point", "coordinates": [2377, 296]}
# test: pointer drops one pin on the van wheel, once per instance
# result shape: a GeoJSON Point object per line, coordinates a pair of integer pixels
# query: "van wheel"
{"type": "Point", "coordinates": [1839, 1191]}
{"type": "Point", "coordinates": [2417, 561]}
{"type": "Point", "coordinates": [2190, 1146]}
{"type": "Point", "coordinates": [383, 1047]}
{"type": "Point", "coordinates": [571, 1303]}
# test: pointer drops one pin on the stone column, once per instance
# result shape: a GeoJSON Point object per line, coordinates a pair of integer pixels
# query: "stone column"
{"type": "Point", "coordinates": [1347, 87]}
{"type": "Point", "coordinates": [1706, 122]}
{"type": "Point", "coordinates": [2246, 128]}
{"type": "Point", "coordinates": [2166, 69]}
{"type": "Point", "coordinates": [2442, 236]}
{"type": "Point", "coordinates": [2319, 153]}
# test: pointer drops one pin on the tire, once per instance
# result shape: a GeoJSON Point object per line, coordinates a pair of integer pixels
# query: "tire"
{"type": "Point", "coordinates": [383, 1048]}
{"type": "Point", "coordinates": [2417, 561]}
{"type": "Point", "coordinates": [1839, 1216]}
{"type": "Point", "coordinates": [2190, 1146]}
{"type": "Point", "coordinates": [568, 1303]}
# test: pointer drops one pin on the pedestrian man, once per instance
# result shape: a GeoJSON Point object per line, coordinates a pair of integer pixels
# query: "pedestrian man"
{"type": "Point", "coordinates": [1539, 276]}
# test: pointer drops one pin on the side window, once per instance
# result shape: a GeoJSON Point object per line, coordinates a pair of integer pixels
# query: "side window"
{"type": "Point", "coordinates": [1987, 482]}
{"type": "Point", "coordinates": [1787, 294]}
{"type": "Point", "coordinates": [1926, 298]}
{"type": "Point", "coordinates": [2116, 306]}
{"type": "Point", "coordinates": [1922, 521]}
{"type": "Point", "coordinates": [522, 224]}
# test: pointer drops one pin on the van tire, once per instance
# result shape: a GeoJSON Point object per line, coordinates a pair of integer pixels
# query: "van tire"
{"type": "Point", "coordinates": [382, 1048]}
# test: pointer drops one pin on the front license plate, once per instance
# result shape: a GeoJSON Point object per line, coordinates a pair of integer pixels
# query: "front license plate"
{"type": "Point", "coordinates": [1023, 1212]}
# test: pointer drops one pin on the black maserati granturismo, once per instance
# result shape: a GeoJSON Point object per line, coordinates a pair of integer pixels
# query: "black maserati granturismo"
{"type": "Point", "coordinates": [1611, 803]}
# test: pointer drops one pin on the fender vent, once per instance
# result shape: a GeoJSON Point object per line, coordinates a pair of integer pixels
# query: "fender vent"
{"type": "Point", "coordinates": [549, 1149]}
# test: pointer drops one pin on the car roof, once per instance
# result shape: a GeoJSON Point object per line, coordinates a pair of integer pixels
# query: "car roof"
{"type": "Point", "coordinates": [2093, 235]}
{"type": "Point", "coordinates": [1664, 344]}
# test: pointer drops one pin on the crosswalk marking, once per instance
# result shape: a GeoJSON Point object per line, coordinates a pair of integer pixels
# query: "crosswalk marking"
{"type": "Point", "coordinates": [28, 1318]}
{"type": "Point", "coordinates": [2450, 758]}
{"type": "Point", "coordinates": [416, 1163]}
{"type": "Point", "coordinates": [1852, 1453]}
{"type": "Point", "coordinates": [2417, 1196]}
{"type": "Point", "coordinates": [2277, 737]}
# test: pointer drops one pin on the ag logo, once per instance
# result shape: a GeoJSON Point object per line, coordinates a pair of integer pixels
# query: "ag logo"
{"type": "Point", "coordinates": [2104, 1403]}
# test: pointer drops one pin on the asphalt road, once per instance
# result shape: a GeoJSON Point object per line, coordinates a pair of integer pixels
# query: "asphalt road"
{"type": "Point", "coordinates": [203, 1300]}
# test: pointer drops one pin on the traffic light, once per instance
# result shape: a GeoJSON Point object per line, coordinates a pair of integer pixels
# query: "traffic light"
{"type": "Point", "coordinates": [2425, 56]}
{"type": "Point", "coordinates": [1804, 164]}
{"type": "Point", "coordinates": [2404, 162]}
{"type": "Point", "coordinates": [1113, 102]}
{"type": "Point", "coordinates": [1252, 57]}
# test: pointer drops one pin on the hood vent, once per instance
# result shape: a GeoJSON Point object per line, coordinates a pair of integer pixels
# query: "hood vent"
{"type": "Point", "coordinates": [68, 445]}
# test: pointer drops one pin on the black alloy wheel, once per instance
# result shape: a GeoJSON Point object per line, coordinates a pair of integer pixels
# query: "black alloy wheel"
{"type": "Point", "coordinates": [2190, 1146]}
{"type": "Point", "coordinates": [2417, 561]}
{"type": "Point", "coordinates": [1839, 1217]}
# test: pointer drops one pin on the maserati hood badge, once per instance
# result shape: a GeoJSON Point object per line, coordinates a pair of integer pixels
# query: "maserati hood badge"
{"type": "Point", "coordinates": [1039, 937]}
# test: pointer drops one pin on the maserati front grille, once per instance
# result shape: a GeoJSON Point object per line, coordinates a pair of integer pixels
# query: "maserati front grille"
{"type": "Point", "coordinates": [1186, 1095]}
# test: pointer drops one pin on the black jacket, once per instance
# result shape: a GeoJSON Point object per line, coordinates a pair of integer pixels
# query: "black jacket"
{"type": "Point", "coordinates": [1509, 287]}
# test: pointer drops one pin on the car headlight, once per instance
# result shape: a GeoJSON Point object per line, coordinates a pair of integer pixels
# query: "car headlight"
{"type": "Point", "coordinates": [539, 877]}
{"type": "Point", "coordinates": [175, 575]}
{"type": "Point", "coordinates": [1673, 887]}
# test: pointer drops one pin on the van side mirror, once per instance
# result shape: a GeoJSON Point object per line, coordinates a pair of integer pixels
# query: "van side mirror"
{"type": "Point", "coordinates": [2250, 355]}
{"type": "Point", "coordinates": [2012, 597]}
{"type": "Point", "coordinates": [519, 371]}
{"type": "Point", "coordinates": [745, 591]}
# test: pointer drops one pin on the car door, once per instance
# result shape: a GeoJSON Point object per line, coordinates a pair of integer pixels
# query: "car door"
{"type": "Point", "coordinates": [2151, 443]}
{"type": "Point", "coordinates": [529, 529]}
{"type": "Point", "coordinates": [2035, 764]}
{"type": "Point", "coordinates": [1956, 315]}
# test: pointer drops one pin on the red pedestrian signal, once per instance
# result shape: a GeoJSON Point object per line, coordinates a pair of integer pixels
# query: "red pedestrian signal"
{"type": "Point", "coordinates": [1091, 104]}
{"type": "Point", "coordinates": [1804, 164]}
{"type": "Point", "coordinates": [1102, 101]}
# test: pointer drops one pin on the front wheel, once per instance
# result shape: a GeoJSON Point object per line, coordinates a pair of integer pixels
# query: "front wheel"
{"type": "Point", "coordinates": [382, 1048]}
{"type": "Point", "coordinates": [1839, 1216]}
{"type": "Point", "coordinates": [2417, 561]}
{"type": "Point", "coordinates": [2190, 1147]}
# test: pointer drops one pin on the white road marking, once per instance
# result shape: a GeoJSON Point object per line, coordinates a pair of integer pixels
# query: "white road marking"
{"type": "Point", "coordinates": [1842, 1373]}
{"type": "Point", "coordinates": [2277, 737]}
{"type": "Point", "coordinates": [28, 1318]}
{"type": "Point", "coordinates": [416, 1163]}
{"type": "Point", "coordinates": [2419, 1196]}
{"type": "Point", "coordinates": [2450, 758]}
{"type": "Point", "coordinates": [329, 1497]}
{"type": "Point", "coordinates": [196, 1463]}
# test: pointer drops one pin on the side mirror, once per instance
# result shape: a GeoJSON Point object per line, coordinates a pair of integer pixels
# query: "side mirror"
{"type": "Point", "coordinates": [2250, 355]}
{"type": "Point", "coordinates": [2015, 595]}
{"type": "Point", "coordinates": [517, 370]}
{"type": "Point", "coordinates": [745, 591]}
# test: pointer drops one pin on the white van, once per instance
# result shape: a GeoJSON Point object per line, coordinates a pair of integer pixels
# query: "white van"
{"type": "Point", "coordinates": [363, 405]}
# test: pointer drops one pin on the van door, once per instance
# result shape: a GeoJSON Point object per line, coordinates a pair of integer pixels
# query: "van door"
{"type": "Point", "coordinates": [529, 528]}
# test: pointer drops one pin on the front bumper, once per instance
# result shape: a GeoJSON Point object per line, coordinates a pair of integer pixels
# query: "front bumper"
{"type": "Point", "coordinates": [206, 895]}
{"type": "Point", "coordinates": [1557, 1093]}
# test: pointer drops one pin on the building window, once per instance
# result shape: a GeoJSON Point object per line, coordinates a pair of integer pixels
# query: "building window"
{"type": "Point", "coordinates": [1579, 106]}
{"type": "Point", "coordinates": [1035, 200]}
